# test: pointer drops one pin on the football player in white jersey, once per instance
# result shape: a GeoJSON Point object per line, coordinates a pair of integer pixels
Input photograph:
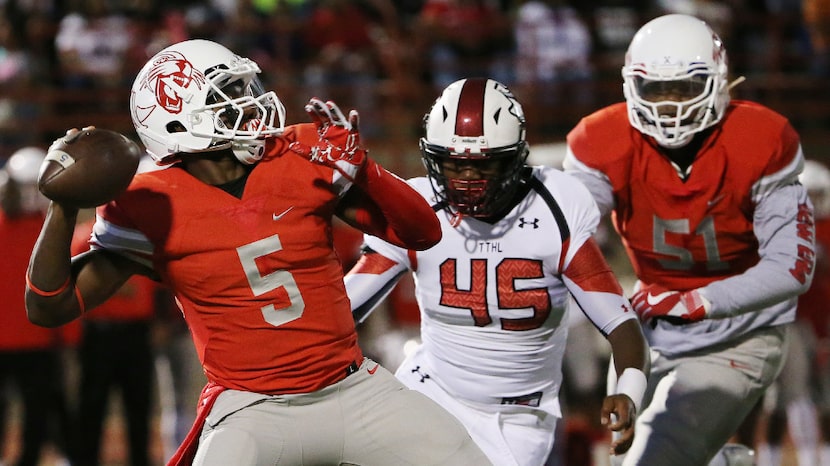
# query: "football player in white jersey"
{"type": "Point", "coordinates": [493, 293]}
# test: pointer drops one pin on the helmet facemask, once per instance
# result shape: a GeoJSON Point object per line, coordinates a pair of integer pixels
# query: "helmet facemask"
{"type": "Point", "coordinates": [241, 112]}
{"type": "Point", "coordinates": [484, 197]}
{"type": "Point", "coordinates": [672, 110]}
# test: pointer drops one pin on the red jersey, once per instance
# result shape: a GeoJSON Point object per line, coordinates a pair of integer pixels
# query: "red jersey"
{"type": "Point", "coordinates": [684, 235]}
{"type": "Point", "coordinates": [256, 277]}
{"type": "Point", "coordinates": [135, 301]}
{"type": "Point", "coordinates": [18, 236]}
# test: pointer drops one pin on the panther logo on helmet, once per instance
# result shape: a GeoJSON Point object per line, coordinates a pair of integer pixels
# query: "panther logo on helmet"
{"type": "Point", "coordinates": [514, 108]}
{"type": "Point", "coordinates": [170, 75]}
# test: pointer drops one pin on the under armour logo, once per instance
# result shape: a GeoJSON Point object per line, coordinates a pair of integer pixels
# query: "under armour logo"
{"type": "Point", "coordinates": [417, 370]}
{"type": "Point", "coordinates": [523, 222]}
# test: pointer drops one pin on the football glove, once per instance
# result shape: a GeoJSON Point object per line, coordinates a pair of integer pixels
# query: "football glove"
{"type": "Point", "coordinates": [676, 307]}
{"type": "Point", "coordinates": [339, 144]}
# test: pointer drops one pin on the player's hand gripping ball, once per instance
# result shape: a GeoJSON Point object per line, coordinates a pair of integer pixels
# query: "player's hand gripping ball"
{"type": "Point", "coordinates": [88, 168]}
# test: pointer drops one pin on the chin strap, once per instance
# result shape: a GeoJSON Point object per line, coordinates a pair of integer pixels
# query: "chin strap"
{"type": "Point", "coordinates": [249, 152]}
{"type": "Point", "coordinates": [457, 217]}
{"type": "Point", "coordinates": [735, 82]}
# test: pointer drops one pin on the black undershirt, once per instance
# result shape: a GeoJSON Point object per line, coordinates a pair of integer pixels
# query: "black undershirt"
{"type": "Point", "coordinates": [236, 187]}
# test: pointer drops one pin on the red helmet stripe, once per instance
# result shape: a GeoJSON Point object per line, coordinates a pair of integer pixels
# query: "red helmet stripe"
{"type": "Point", "coordinates": [469, 117]}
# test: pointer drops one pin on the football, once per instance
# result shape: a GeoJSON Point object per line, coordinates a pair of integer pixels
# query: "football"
{"type": "Point", "coordinates": [90, 170]}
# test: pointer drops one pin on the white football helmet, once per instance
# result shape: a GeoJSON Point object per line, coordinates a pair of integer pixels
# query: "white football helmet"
{"type": "Point", "coordinates": [675, 79]}
{"type": "Point", "coordinates": [24, 164]}
{"type": "Point", "coordinates": [816, 179]}
{"type": "Point", "coordinates": [23, 167]}
{"type": "Point", "coordinates": [479, 122]}
{"type": "Point", "coordinates": [198, 96]}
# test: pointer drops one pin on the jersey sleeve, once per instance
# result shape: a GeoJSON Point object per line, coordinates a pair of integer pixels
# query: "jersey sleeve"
{"type": "Point", "coordinates": [783, 167]}
{"type": "Point", "coordinates": [581, 213]}
{"type": "Point", "coordinates": [596, 289]}
{"type": "Point", "coordinates": [114, 232]}
{"type": "Point", "coordinates": [785, 230]}
{"type": "Point", "coordinates": [597, 146]}
{"type": "Point", "coordinates": [594, 180]}
{"type": "Point", "coordinates": [376, 273]}
{"type": "Point", "coordinates": [783, 225]}
{"type": "Point", "coordinates": [370, 281]}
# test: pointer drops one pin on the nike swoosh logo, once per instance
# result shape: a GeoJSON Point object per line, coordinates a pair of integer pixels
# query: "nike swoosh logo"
{"type": "Point", "coordinates": [277, 217]}
{"type": "Point", "coordinates": [373, 370]}
{"type": "Point", "coordinates": [652, 299]}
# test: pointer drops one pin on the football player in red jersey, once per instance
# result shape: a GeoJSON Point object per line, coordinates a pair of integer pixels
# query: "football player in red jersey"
{"type": "Point", "coordinates": [30, 356]}
{"type": "Point", "coordinates": [704, 193]}
{"type": "Point", "coordinates": [239, 226]}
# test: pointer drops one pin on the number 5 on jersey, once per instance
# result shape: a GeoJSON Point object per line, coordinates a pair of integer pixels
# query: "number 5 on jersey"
{"type": "Point", "coordinates": [261, 284]}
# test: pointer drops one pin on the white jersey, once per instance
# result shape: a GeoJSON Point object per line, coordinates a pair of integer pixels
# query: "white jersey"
{"type": "Point", "coordinates": [492, 299]}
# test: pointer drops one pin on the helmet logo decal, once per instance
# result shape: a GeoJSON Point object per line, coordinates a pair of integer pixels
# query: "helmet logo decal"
{"type": "Point", "coordinates": [470, 105]}
{"type": "Point", "coordinates": [514, 108]}
{"type": "Point", "coordinates": [168, 77]}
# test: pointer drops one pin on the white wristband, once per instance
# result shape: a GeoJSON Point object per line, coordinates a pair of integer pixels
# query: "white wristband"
{"type": "Point", "coordinates": [632, 382]}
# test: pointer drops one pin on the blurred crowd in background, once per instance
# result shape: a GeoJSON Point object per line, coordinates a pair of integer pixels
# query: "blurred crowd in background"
{"type": "Point", "coordinates": [66, 63]}
{"type": "Point", "coordinates": [70, 63]}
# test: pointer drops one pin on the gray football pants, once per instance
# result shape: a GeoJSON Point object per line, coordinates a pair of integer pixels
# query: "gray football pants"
{"type": "Point", "coordinates": [368, 418]}
{"type": "Point", "coordinates": [694, 403]}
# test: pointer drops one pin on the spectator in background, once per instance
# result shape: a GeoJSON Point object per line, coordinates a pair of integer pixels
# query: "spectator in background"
{"type": "Point", "coordinates": [817, 22]}
{"type": "Point", "coordinates": [178, 372]}
{"type": "Point", "coordinates": [339, 37]}
{"type": "Point", "coordinates": [116, 353]}
{"type": "Point", "coordinates": [816, 179]}
{"type": "Point", "coordinates": [272, 32]}
{"type": "Point", "coordinates": [30, 356]}
{"type": "Point", "coordinates": [553, 43]}
{"type": "Point", "coordinates": [553, 57]}
{"type": "Point", "coordinates": [465, 38]}
{"type": "Point", "coordinates": [802, 392]}
{"type": "Point", "coordinates": [18, 80]}
{"type": "Point", "coordinates": [92, 46]}
{"type": "Point", "coordinates": [37, 24]}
